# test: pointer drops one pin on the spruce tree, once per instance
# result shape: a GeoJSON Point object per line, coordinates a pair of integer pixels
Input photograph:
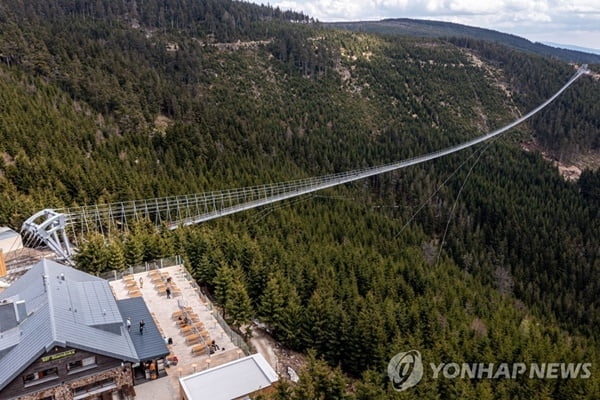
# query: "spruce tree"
{"type": "Point", "coordinates": [271, 305]}
{"type": "Point", "coordinates": [238, 305]}
{"type": "Point", "coordinates": [116, 256]}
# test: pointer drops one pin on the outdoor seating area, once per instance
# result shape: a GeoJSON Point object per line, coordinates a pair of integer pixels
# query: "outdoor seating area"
{"type": "Point", "coordinates": [192, 341]}
{"type": "Point", "coordinates": [164, 284]}
{"type": "Point", "coordinates": [133, 290]}
{"type": "Point", "coordinates": [192, 329]}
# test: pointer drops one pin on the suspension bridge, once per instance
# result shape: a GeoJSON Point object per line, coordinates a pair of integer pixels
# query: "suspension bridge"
{"type": "Point", "coordinates": [56, 227]}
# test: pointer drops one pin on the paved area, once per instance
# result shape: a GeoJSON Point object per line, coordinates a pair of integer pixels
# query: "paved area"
{"type": "Point", "coordinates": [185, 297]}
{"type": "Point", "coordinates": [168, 387]}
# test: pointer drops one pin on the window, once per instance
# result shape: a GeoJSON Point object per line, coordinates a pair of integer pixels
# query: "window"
{"type": "Point", "coordinates": [94, 388]}
{"type": "Point", "coordinates": [81, 365]}
{"type": "Point", "coordinates": [40, 376]}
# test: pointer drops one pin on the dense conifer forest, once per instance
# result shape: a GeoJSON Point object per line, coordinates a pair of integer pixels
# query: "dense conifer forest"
{"type": "Point", "coordinates": [443, 29]}
{"type": "Point", "coordinates": [488, 255]}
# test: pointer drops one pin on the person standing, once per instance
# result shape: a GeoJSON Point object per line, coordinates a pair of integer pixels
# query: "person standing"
{"type": "Point", "coordinates": [142, 323]}
{"type": "Point", "coordinates": [141, 283]}
{"type": "Point", "coordinates": [168, 292]}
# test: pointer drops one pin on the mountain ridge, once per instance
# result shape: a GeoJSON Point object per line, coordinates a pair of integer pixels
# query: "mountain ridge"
{"type": "Point", "coordinates": [573, 47]}
{"type": "Point", "coordinates": [442, 29]}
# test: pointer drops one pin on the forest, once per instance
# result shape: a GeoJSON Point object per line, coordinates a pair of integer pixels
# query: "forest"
{"type": "Point", "coordinates": [443, 29]}
{"type": "Point", "coordinates": [488, 255]}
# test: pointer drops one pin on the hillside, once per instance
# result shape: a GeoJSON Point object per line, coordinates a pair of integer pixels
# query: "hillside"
{"type": "Point", "coordinates": [106, 101]}
{"type": "Point", "coordinates": [441, 29]}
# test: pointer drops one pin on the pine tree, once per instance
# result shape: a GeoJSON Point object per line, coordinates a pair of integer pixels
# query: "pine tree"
{"type": "Point", "coordinates": [238, 305]}
{"type": "Point", "coordinates": [271, 304]}
{"type": "Point", "coordinates": [134, 251]}
{"type": "Point", "coordinates": [319, 381]}
{"type": "Point", "coordinates": [370, 387]}
{"type": "Point", "coordinates": [116, 256]}
{"type": "Point", "coordinates": [292, 318]}
{"type": "Point", "coordinates": [93, 255]}
{"type": "Point", "coordinates": [224, 281]}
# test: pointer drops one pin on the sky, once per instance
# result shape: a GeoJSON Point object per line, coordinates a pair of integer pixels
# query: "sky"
{"type": "Point", "coordinates": [573, 22]}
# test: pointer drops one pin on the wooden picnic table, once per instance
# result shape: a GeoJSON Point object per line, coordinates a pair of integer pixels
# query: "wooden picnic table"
{"type": "Point", "coordinates": [198, 325]}
{"type": "Point", "coordinates": [195, 318]}
{"type": "Point", "coordinates": [193, 339]}
{"type": "Point", "coordinates": [177, 314]}
{"type": "Point", "coordinates": [187, 331]}
{"type": "Point", "coordinates": [199, 349]}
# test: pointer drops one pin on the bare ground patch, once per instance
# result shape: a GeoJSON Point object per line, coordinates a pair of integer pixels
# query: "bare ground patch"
{"type": "Point", "coordinates": [280, 358]}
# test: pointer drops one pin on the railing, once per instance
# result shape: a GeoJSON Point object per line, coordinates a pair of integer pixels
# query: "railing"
{"type": "Point", "coordinates": [147, 266]}
{"type": "Point", "coordinates": [235, 338]}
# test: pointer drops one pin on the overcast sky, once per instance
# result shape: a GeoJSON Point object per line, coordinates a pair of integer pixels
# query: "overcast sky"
{"type": "Point", "coordinates": [573, 22]}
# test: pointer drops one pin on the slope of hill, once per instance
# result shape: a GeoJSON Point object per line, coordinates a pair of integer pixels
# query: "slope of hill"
{"type": "Point", "coordinates": [440, 29]}
{"type": "Point", "coordinates": [104, 101]}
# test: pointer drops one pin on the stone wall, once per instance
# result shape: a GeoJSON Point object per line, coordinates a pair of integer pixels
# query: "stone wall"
{"type": "Point", "coordinates": [122, 376]}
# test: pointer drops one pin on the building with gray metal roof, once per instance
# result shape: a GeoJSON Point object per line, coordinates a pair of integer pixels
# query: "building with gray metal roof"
{"type": "Point", "coordinates": [54, 307]}
{"type": "Point", "coordinates": [151, 344]}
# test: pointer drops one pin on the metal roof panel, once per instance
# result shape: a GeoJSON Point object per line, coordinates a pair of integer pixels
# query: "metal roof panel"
{"type": "Point", "coordinates": [151, 344]}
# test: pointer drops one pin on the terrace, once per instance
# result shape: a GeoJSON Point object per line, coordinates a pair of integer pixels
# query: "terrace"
{"type": "Point", "coordinates": [187, 318]}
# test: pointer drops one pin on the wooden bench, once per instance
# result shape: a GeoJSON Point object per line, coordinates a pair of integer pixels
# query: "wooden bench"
{"type": "Point", "coordinates": [177, 314]}
{"type": "Point", "coordinates": [134, 293]}
{"type": "Point", "coordinates": [181, 323]}
{"type": "Point", "coordinates": [161, 289]}
{"type": "Point", "coordinates": [193, 339]}
{"type": "Point", "coordinates": [199, 349]}
{"type": "Point", "coordinates": [198, 325]}
{"type": "Point", "coordinates": [187, 331]}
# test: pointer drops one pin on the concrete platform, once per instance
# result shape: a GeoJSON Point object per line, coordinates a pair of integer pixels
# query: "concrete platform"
{"type": "Point", "coordinates": [163, 309]}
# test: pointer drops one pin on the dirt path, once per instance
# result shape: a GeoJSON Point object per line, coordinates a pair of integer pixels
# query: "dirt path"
{"type": "Point", "coordinates": [264, 345]}
{"type": "Point", "coordinates": [280, 358]}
